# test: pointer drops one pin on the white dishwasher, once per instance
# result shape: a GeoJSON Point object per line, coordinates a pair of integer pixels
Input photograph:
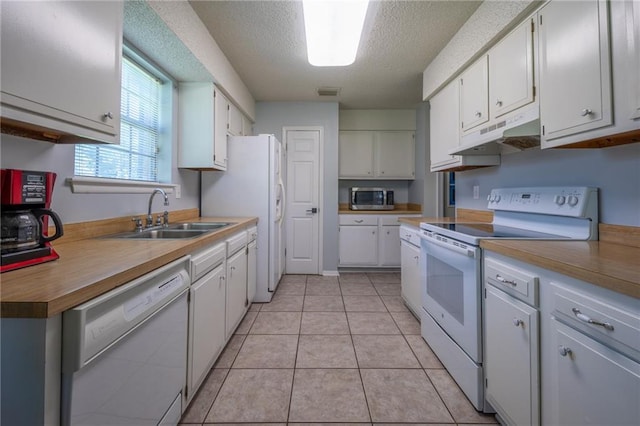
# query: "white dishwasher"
{"type": "Point", "coordinates": [124, 352]}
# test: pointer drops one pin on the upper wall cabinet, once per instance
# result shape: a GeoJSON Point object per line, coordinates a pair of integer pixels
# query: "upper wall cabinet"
{"type": "Point", "coordinates": [575, 70]}
{"type": "Point", "coordinates": [377, 155]}
{"type": "Point", "coordinates": [632, 20]}
{"type": "Point", "coordinates": [202, 120]}
{"type": "Point", "coordinates": [61, 66]}
{"type": "Point", "coordinates": [499, 82]}
{"type": "Point", "coordinates": [444, 134]}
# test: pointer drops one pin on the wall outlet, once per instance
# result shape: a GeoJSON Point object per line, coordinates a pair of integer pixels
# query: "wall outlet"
{"type": "Point", "coordinates": [178, 191]}
{"type": "Point", "coordinates": [476, 192]}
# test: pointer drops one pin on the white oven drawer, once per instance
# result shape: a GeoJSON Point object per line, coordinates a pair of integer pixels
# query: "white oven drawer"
{"type": "Point", "coordinates": [519, 283]}
{"type": "Point", "coordinates": [598, 318]}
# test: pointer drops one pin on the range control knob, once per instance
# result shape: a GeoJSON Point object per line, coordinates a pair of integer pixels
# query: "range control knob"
{"type": "Point", "coordinates": [497, 198]}
{"type": "Point", "coordinates": [489, 198]}
{"type": "Point", "coordinates": [572, 200]}
{"type": "Point", "coordinates": [559, 199]}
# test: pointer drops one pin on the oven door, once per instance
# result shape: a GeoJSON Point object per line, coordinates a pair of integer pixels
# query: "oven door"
{"type": "Point", "coordinates": [453, 289]}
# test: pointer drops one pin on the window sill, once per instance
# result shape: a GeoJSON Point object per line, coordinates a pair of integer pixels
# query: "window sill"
{"type": "Point", "coordinates": [89, 185]}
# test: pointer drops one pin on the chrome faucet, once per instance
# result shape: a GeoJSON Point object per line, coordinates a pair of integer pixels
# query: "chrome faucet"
{"type": "Point", "coordinates": [166, 203]}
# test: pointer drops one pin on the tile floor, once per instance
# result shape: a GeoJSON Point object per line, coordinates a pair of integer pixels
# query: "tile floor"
{"type": "Point", "coordinates": [331, 350]}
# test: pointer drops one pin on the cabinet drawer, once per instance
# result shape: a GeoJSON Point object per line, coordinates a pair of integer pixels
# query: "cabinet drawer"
{"type": "Point", "coordinates": [358, 219]}
{"type": "Point", "coordinates": [410, 234]}
{"type": "Point", "coordinates": [598, 318]}
{"type": "Point", "coordinates": [205, 260]}
{"type": "Point", "coordinates": [235, 243]}
{"type": "Point", "coordinates": [519, 283]}
{"type": "Point", "coordinates": [252, 234]}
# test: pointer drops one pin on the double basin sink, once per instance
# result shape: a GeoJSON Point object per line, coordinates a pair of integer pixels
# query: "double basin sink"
{"type": "Point", "coordinates": [174, 231]}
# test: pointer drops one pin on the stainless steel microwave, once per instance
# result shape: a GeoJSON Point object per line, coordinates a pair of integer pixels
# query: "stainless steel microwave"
{"type": "Point", "coordinates": [370, 198]}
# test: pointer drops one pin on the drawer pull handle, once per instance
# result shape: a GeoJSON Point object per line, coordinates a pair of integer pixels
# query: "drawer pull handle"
{"type": "Point", "coordinates": [564, 351]}
{"type": "Point", "coordinates": [518, 322]}
{"type": "Point", "coordinates": [505, 281]}
{"type": "Point", "coordinates": [358, 220]}
{"type": "Point", "coordinates": [584, 318]}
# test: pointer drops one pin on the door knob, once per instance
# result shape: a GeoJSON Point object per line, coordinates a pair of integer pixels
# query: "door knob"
{"type": "Point", "coordinates": [312, 210]}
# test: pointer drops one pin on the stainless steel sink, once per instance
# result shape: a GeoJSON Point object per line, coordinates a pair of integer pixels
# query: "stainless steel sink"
{"type": "Point", "coordinates": [163, 234]}
{"type": "Point", "coordinates": [200, 225]}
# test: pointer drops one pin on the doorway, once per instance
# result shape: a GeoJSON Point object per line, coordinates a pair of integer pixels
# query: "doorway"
{"type": "Point", "coordinates": [303, 199]}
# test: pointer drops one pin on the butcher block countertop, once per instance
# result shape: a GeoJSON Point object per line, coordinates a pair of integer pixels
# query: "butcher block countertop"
{"type": "Point", "coordinates": [90, 267]}
{"type": "Point", "coordinates": [612, 263]}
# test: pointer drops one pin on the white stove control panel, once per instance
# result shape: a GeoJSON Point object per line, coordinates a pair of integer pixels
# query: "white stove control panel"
{"type": "Point", "coordinates": [567, 201]}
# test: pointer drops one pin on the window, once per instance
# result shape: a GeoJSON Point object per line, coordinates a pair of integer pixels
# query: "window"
{"type": "Point", "coordinates": [136, 156]}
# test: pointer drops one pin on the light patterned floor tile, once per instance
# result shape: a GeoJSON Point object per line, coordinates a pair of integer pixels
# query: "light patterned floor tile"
{"type": "Point", "coordinates": [326, 351]}
{"type": "Point", "coordinates": [276, 323]}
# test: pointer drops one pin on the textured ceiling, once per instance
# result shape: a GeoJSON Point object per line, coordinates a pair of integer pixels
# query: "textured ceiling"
{"type": "Point", "coordinates": [264, 41]}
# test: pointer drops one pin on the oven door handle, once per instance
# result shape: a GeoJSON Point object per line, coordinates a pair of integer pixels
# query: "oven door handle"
{"type": "Point", "coordinates": [460, 250]}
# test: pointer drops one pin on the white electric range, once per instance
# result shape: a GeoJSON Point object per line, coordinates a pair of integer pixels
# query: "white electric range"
{"type": "Point", "coordinates": [452, 268]}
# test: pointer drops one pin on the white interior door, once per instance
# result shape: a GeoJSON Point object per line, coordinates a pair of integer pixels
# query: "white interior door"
{"type": "Point", "coordinates": [303, 202]}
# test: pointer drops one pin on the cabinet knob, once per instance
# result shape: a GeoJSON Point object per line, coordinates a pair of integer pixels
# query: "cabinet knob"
{"type": "Point", "coordinates": [107, 115]}
{"type": "Point", "coordinates": [586, 112]}
{"type": "Point", "coordinates": [517, 322]}
{"type": "Point", "coordinates": [478, 114]}
{"type": "Point", "coordinates": [564, 351]}
{"type": "Point", "coordinates": [499, 103]}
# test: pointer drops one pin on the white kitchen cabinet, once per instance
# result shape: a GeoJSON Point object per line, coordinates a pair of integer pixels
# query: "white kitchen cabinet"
{"type": "Point", "coordinates": [202, 120]}
{"type": "Point", "coordinates": [632, 15]}
{"type": "Point", "coordinates": [591, 383]}
{"type": "Point", "coordinates": [356, 154]}
{"type": "Point", "coordinates": [511, 341]}
{"type": "Point", "coordinates": [207, 334]}
{"type": "Point", "coordinates": [234, 121]}
{"type": "Point", "coordinates": [247, 127]}
{"type": "Point", "coordinates": [61, 68]}
{"type": "Point", "coordinates": [511, 358]}
{"type": "Point", "coordinates": [444, 128]}
{"type": "Point", "coordinates": [389, 252]}
{"type": "Point", "coordinates": [575, 82]}
{"type": "Point", "coordinates": [358, 245]}
{"type": "Point", "coordinates": [474, 95]}
{"type": "Point", "coordinates": [236, 285]}
{"type": "Point", "coordinates": [395, 155]}
{"type": "Point", "coordinates": [377, 155]}
{"type": "Point", "coordinates": [511, 83]}
{"type": "Point", "coordinates": [252, 263]}
{"type": "Point", "coordinates": [410, 268]}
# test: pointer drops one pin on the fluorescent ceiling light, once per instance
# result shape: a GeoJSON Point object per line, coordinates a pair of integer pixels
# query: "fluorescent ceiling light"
{"type": "Point", "coordinates": [333, 29]}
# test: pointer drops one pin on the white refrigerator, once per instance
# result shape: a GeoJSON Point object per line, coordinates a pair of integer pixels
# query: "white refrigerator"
{"type": "Point", "coordinates": [253, 185]}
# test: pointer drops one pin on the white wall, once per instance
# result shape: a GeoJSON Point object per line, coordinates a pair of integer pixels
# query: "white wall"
{"type": "Point", "coordinates": [271, 117]}
{"type": "Point", "coordinates": [615, 171]}
{"type": "Point", "coordinates": [19, 153]}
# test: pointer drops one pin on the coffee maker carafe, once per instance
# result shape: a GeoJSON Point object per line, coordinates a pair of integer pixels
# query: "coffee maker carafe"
{"type": "Point", "coordinates": [26, 197]}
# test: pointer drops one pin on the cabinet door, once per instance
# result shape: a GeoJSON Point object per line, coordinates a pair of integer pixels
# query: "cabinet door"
{"type": "Point", "coordinates": [252, 270]}
{"type": "Point", "coordinates": [410, 276]}
{"type": "Point", "coordinates": [395, 155]}
{"type": "Point", "coordinates": [358, 245]}
{"type": "Point", "coordinates": [247, 128]}
{"type": "Point", "coordinates": [389, 245]}
{"type": "Point", "coordinates": [356, 154]}
{"type": "Point", "coordinates": [220, 125]}
{"type": "Point", "coordinates": [511, 71]}
{"type": "Point", "coordinates": [235, 120]}
{"type": "Point", "coordinates": [61, 66]}
{"type": "Point", "coordinates": [633, 51]}
{"type": "Point", "coordinates": [511, 357]}
{"type": "Point", "coordinates": [474, 95]}
{"type": "Point", "coordinates": [575, 82]}
{"type": "Point", "coordinates": [206, 329]}
{"type": "Point", "coordinates": [444, 126]}
{"type": "Point", "coordinates": [592, 384]}
{"type": "Point", "coordinates": [236, 290]}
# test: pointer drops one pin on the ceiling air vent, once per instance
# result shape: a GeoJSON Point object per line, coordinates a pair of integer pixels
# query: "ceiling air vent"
{"type": "Point", "coordinates": [328, 91]}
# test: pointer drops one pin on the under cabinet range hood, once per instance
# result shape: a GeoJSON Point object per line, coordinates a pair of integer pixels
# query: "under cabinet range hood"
{"type": "Point", "coordinates": [517, 131]}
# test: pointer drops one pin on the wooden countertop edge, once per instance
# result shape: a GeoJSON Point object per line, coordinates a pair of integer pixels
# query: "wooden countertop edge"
{"type": "Point", "coordinates": [65, 300]}
{"type": "Point", "coordinates": [590, 275]}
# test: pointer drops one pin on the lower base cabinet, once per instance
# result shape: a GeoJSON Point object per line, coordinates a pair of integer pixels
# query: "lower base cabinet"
{"type": "Point", "coordinates": [358, 245]}
{"type": "Point", "coordinates": [236, 290]}
{"type": "Point", "coordinates": [207, 326]}
{"type": "Point", "coordinates": [410, 276]}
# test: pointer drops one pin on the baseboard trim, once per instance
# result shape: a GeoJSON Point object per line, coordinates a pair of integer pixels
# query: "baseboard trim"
{"type": "Point", "coordinates": [330, 273]}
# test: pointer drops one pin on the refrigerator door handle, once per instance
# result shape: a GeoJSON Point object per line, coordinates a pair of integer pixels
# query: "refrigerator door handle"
{"type": "Point", "coordinates": [283, 201]}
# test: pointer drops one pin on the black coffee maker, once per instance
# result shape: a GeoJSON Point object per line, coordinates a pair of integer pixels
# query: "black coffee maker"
{"type": "Point", "coordinates": [26, 198]}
